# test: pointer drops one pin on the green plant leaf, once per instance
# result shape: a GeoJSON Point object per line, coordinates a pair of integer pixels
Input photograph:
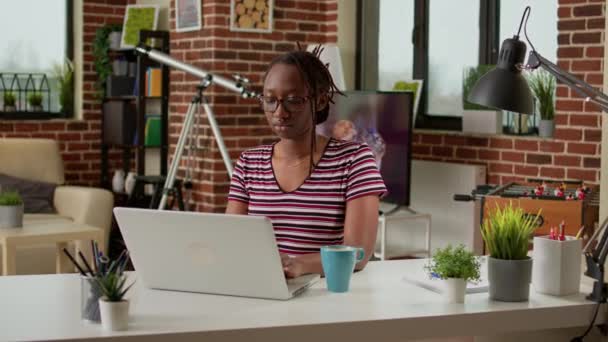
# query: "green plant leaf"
{"type": "Point", "coordinates": [455, 262]}
{"type": "Point", "coordinates": [542, 84]}
{"type": "Point", "coordinates": [507, 232]}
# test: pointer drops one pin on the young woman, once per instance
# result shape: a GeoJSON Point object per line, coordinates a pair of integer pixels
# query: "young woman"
{"type": "Point", "coordinates": [316, 190]}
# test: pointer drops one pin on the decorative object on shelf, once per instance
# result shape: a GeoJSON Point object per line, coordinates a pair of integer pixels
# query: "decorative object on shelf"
{"type": "Point", "coordinates": [455, 266]}
{"type": "Point", "coordinates": [114, 39]}
{"type": "Point", "coordinates": [101, 62]}
{"type": "Point", "coordinates": [137, 18]}
{"type": "Point", "coordinates": [187, 15]}
{"type": "Point", "coordinates": [414, 86]}
{"type": "Point", "coordinates": [118, 181]}
{"type": "Point", "coordinates": [477, 118]}
{"type": "Point", "coordinates": [520, 123]}
{"type": "Point", "coordinates": [130, 182]}
{"type": "Point", "coordinates": [251, 15]}
{"type": "Point", "coordinates": [11, 209]}
{"type": "Point", "coordinates": [37, 89]}
{"type": "Point", "coordinates": [65, 83]}
{"type": "Point", "coordinates": [542, 84]}
{"type": "Point", "coordinates": [35, 101]}
{"type": "Point", "coordinates": [9, 101]}
{"type": "Point", "coordinates": [507, 232]}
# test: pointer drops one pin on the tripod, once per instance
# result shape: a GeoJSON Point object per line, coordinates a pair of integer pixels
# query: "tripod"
{"type": "Point", "coordinates": [186, 133]}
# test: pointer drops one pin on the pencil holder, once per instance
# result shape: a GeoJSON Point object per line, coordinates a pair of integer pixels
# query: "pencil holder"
{"type": "Point", "coordinates": [89, 299]}
{"type": "Point", "coordinates": [556, 265]}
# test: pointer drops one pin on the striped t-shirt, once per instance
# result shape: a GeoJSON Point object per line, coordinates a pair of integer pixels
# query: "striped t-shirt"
{"type": "Point", "coordinates": [312, 215]}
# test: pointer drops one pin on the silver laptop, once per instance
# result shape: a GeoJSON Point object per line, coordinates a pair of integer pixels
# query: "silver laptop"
{"type": "Point", "coordinates": [208, 253]}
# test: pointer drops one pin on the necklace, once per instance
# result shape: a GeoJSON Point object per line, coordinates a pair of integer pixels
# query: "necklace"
{"type": "Point", "coordinates": [299, 162]}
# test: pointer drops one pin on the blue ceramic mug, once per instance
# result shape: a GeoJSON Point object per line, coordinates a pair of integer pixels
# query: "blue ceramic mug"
{"type": "Point", "coordinates": [338, 265]}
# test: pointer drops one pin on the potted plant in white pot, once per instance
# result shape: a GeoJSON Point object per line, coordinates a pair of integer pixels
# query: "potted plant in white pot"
{"type": "Point", "coordinates": [11, 209]}
{"type": "Point", "coordinates": [113, 307]}
{"type": "Point", "coordinates": [477, 118]}
{"type": "Point", "coordinates": [35, 101]}
{"type": "Point", "coordinates": [455, 266]}
{"type": "Point", "coordinates": [9, 101]}
{"type": "Point", "coordinates": [542, 84]}
{"type": "Point", "coordinates": [507, 233]}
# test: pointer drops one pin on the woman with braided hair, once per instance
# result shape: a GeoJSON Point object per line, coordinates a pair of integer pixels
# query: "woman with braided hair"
{"type": "Point", "coordinates": [316, 190]}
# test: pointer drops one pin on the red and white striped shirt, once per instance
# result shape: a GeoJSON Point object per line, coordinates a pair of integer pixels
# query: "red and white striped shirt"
{"type": "Point", "coordinates": [312, 215]}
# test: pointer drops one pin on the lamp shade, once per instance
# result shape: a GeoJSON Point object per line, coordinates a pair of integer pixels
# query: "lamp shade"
{"type": "Point", "coordinates": [331, 55]}
{"type": "Point", "coordinates": [504, 87]}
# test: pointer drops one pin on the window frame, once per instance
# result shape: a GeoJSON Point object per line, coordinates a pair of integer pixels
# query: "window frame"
{"type": "Point", "coordinates": [69, 53]}
{"type": "Point", "coordinates": [367, 52]}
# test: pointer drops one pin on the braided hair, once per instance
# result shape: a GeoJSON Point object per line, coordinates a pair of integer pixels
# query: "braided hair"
{"type": "Point", "coordinates": [318, 81]}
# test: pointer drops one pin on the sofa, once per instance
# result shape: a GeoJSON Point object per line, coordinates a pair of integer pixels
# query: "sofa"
{"type": "Point", "coordinates": [40, 160]}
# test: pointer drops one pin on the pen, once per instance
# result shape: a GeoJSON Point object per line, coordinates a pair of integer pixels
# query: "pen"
{"type": "Point", "coordinates": [562, 231]}
{"type": "Point", "coordinates": [74, 262]}
{"type": "Point", "coordinates": [580, 232]}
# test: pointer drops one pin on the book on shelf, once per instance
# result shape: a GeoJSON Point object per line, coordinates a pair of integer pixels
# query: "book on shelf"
{"type": "Point", "coordinates": [153, 82]}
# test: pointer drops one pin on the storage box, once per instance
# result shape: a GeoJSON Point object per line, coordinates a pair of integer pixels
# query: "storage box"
{"type": "Point", "coordinates": [556, 265]}
{"type": "Point", "coordinates": [119, 122]}
{"type": "Point", "coordinates": [120, 85]}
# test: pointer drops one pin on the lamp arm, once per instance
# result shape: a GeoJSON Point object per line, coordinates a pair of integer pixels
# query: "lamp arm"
{"type": "Point", "coordinates": [589, 93]}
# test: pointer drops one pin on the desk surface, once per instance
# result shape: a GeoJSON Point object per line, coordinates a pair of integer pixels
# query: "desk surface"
{"type": "Point", "coordinates": [380, 303]}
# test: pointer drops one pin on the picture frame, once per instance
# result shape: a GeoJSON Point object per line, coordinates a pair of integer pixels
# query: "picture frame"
{"type": "Point", "coordinates": [137, 18]}
{"type": "Point", "coordinates": [415, 86]}
{"type": "Point", "coordinates": [251, 15]}
{"type": "Point", "coordinates": [188, 15]}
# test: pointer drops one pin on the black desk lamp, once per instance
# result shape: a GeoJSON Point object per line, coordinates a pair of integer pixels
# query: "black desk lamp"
{"type": "Point", "coordinates": [504, 87]}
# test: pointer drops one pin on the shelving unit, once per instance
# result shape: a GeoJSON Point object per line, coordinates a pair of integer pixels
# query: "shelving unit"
{"type": "Point", "coordinates": [127, 135]}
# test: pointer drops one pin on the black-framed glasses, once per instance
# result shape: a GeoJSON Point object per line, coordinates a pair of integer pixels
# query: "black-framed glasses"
{"type": "Point", "coordinates": [291, 104]}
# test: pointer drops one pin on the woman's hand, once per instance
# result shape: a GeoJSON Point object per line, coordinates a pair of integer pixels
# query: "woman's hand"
{"type": "Point", "coordinates": [292, 266]}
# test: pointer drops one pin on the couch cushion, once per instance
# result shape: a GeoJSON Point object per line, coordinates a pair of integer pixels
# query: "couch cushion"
{"type": "Point", "coordinates": [32, 158]}
{"type": "Point", "coordinates": [37, 196]}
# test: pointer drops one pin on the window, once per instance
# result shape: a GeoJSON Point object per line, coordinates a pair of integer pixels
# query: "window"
{"type": "Point", "coordinates": [436, 40]}
{"type": "Point", "coordinates": [38, 36]}
{"type": "Point", "coordinates": [395, 63]}
{"type": "Point", "coordinates": [453, 45]}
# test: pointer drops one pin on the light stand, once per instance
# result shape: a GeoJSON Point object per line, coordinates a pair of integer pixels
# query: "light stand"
{"type": "Point", "coordinates": [239, 85]}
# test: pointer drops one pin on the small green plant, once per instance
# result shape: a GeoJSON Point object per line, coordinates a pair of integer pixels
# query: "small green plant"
{"type": "Point", "coordinates": [10, 198]}
{"type": "Point", "coordinates": [454, 262]}
{"type": "Point", "coordinates": [101, 60]}
{"type": "Point", "coordinates": [9, 99]}
{"type": "Point", "coordinates": [470, 77]}
{"type": "Point", "coordinates": [35, 99]}
{"type": "Point", "coordinates": [113, 285]}
{"type": "Point", "coordinates": [542, 84]}
{"type": "Point", "coordinates": [65, 81]}
{"type": "Point", "coordinates": [406, 86]}
{"type": "Point", "coordinates": [507, 232]}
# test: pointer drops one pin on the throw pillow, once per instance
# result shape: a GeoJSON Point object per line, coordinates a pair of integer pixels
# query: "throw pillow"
{"type": "Point", "coordinates": [37, 196]}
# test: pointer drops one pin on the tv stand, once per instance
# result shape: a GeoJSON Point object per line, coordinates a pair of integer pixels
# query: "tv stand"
{"type": "Point", "coordinates": [394, 216]}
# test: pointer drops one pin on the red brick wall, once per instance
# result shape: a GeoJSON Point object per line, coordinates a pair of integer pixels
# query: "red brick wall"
{"type": "Point", "coordinates": [219, 51]}
{"type": "Point", "coordinates": [79, 139]}
{"type": "Point", "coordinates": [574, 152]}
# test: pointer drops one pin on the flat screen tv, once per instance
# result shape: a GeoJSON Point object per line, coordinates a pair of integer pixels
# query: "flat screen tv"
{"type": "Point", "coordinates": [382, 120]}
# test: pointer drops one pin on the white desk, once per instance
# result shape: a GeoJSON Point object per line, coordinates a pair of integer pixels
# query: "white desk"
{"type": "Point", "coordinates": [380, 307]}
